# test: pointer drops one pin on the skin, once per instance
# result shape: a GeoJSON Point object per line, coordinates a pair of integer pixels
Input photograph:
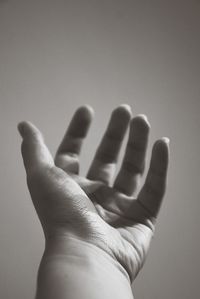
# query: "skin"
{"type": "Point", "coordinates": [111, 216]}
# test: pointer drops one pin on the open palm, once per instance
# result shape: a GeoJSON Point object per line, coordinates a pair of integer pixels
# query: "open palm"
{"type": "Point", "coordinates": [124, 222]}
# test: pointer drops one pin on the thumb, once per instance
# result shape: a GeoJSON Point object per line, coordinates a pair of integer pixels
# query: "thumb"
{"type": "Point", "coordinates": [34, 151]}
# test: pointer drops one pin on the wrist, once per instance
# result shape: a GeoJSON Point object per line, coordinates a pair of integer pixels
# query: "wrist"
{"type": "Point", "coordinates": [83, 268]}
{"type": "Point", "coordinates": [69, 248]}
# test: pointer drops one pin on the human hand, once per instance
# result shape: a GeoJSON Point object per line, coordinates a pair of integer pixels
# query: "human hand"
{"type": "Point", "coordinates": [90, 209]}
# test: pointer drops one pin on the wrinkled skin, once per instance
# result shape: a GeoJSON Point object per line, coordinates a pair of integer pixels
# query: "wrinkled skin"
{"type": "Point", "coordinates": [116, 217]}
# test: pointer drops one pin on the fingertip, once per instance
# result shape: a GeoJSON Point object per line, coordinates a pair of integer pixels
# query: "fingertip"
{"type": "Point", "coordinates": [162, 144]}
{"type": "Point", "coordinates": [166, 140]}
{"type": "Point", "coordinates": [88, 108]}
{"type": "Point", "coordinates": [34, 151]}
{"type": "Point", "coordinates": [20, 128]}
{"type": "Point", "coordinates": [141, 121]}
{"type": "Point", "coordinates": [26, 129]}
{"type": "Point", "coordinates": [144, 118]}
{"type": "Point", "coordinates": [125, 106]}
{"type": "Point", "coordinates": [124, 111]}
{"type": "Point", "coordinates": [86, 112]}
{"type": "Point", "coordinates": [160, 152]}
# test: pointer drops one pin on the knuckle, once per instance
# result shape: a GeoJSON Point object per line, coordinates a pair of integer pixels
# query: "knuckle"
{"type": "Point", "coordinates": [133, 168]}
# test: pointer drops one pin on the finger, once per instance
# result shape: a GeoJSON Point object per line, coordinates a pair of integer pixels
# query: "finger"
{"type": "Point", "coordinates": [134, 160]}
{"type": "Point", "coordinates": [103, 165]}
{"type": "Point", "coordinates": [34, 151]}
{"type": "Point", "coordinates": [67, 156]}
{"type": "Point", "coordinates": [154, 187]}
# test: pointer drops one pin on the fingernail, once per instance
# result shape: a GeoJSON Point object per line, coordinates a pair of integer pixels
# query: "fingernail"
{"type": "Point", "coordinates": [145, 119]}
{"type": "Point", "coordinates": [166, 139]}
{"type": "Point", "coordinates": [87, 108]}
{"type": "Point", "coordinates": [128, 107]}
{"type": "Point", "coordinates": [143, 116]}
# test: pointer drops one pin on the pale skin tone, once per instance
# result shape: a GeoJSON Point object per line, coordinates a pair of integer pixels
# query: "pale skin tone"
{"type": "Point", "coordinates": [104, 218]}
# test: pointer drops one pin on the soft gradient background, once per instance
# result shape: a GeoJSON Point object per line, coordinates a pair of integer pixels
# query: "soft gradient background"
{"type": "Point", "coordinates": [57, 55]}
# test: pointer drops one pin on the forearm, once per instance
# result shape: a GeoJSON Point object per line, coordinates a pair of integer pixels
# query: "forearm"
{"type": "Point", "coordinates": [73, 269]}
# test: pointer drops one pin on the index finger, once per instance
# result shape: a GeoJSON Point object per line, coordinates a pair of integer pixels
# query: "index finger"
{"type": "Point", "coordinates": [67, 156]}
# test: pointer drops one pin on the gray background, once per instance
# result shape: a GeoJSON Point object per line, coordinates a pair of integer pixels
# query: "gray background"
{"type": "Point", "coordinates": [57, 55]}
